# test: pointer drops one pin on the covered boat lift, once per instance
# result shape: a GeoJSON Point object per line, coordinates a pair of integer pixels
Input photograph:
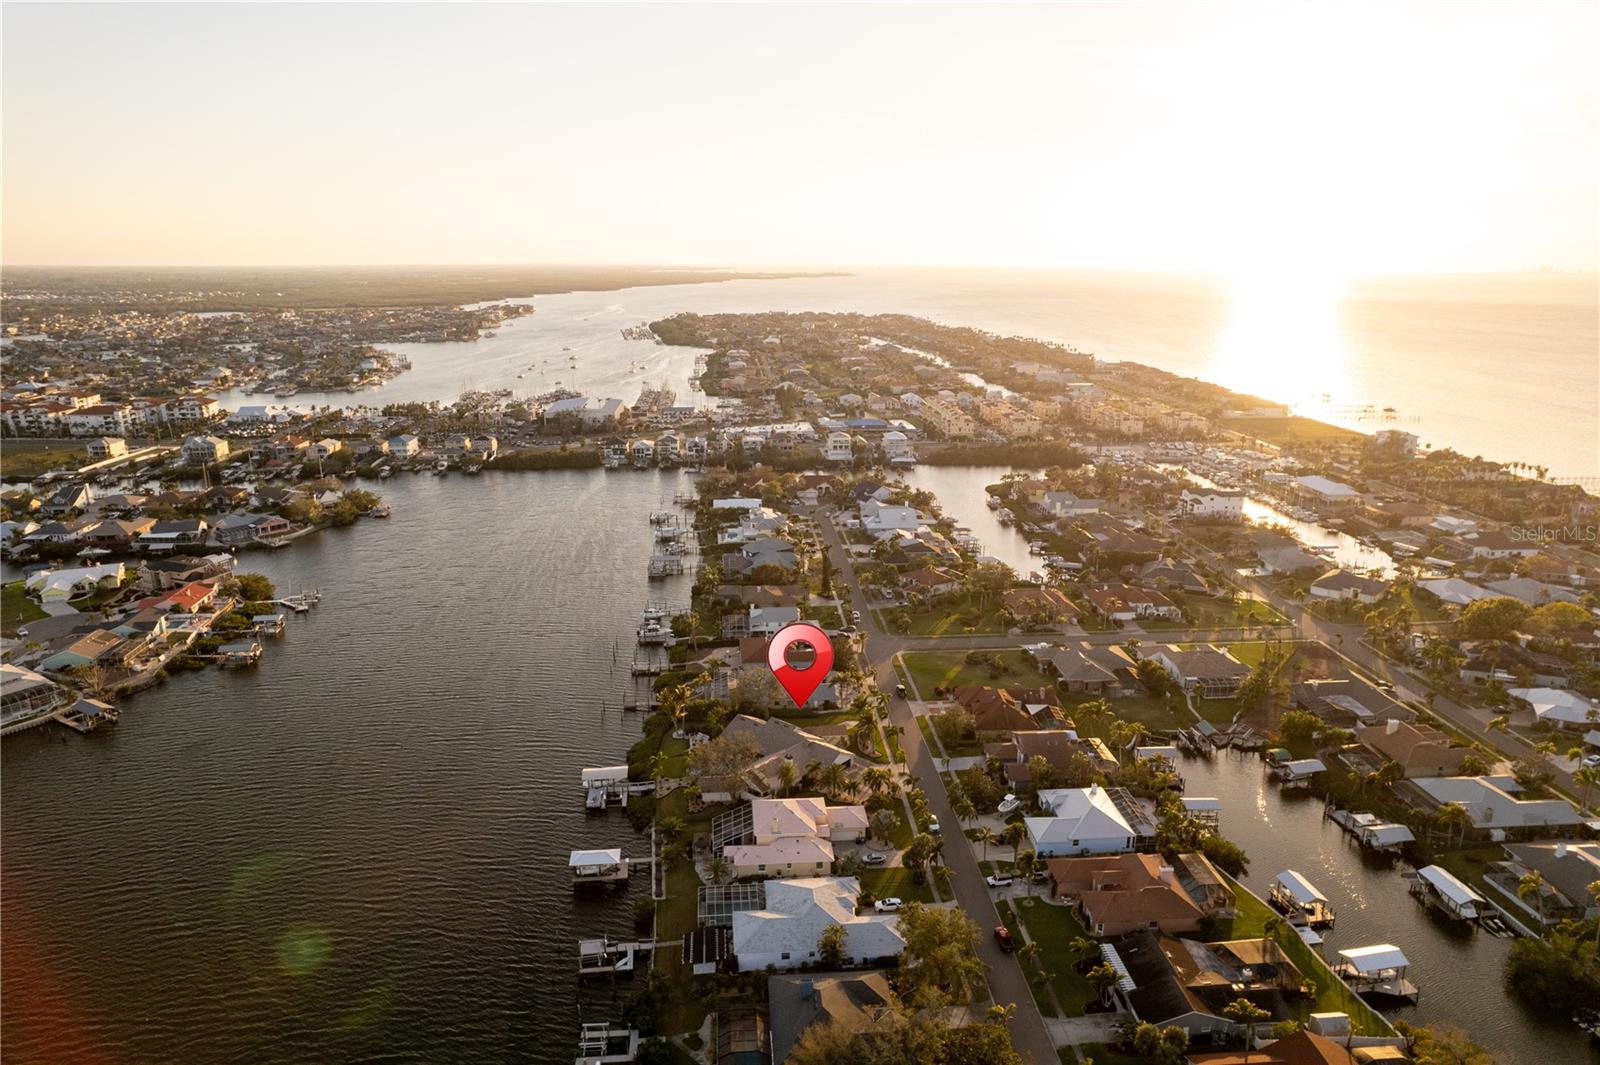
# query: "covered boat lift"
{"type": "Point", "coordinates": [1439, 887]}
{"type": "Point", "coordinates": [1376, 970]}
{"type": "Point", "coordinates": [1299, 900]}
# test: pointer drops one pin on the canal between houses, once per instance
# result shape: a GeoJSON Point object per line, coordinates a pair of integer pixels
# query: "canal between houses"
{"type": "Point", "coordinates": [356, 850]}
{"type": "Point", "coordinates": [1459, 973]}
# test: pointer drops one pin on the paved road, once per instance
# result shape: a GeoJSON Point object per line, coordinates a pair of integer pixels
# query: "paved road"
{"type": "Point", "coordinates": [1346, 640]}
{"type": "Point", "coordinates": [1007, 984]}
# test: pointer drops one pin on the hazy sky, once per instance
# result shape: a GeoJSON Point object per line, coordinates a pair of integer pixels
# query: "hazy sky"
{"type": "Point", "coordinates": [1345, 138]}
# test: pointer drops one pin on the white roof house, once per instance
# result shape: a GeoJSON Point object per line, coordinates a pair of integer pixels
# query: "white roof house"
{"type": "Point", "coordinates": [1492, 807]}
{"type": "Point", "coordinates": [1323, 488]}
{"type": "Point", "coordinates": [1557, 706]}
{"type": "Point", "coordinates": [883, 520]}
{"type": "Point", "coordinates": [785, 934]}
{"type": "Point", "coordinates": [1454, 590]}
{"type": "Point", "coordinates": [1084, 821]}
{"type": "Point", "coordinates": [57, 586]}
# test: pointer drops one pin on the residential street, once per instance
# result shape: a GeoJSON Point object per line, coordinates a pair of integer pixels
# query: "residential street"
{"type": "Point", "coordinates": [1007, 984]}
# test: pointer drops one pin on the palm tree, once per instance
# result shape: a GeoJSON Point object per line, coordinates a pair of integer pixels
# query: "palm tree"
{"type": "Point", "coordinates": [1588, 776]}
{"type": "Point", "coordinates": [1455, 816]}
{"type": "Point", "coordinates": [1025, 864]}
{"type": "Point", "coordinates": [1102, 978]}
{"type": "Point", "coordinates": [1243, 1011]}
{"type": "Point", "coordinates": [1594, 893]}
{"type": "Point", "coordinates": [1500, 723]}
{"type": "Point", "coordinates": [720, 869]}
{"type": "Point", "coordinates": [1531, 886]}
{"type": "Point", "coordinates": [835, 780]}
{"type": "Point", "coordinates": [984, 835]}
{"type": "Point", "coordinates": [788, 775]}
{"type": "Point", "coordinates": [1012, 837]}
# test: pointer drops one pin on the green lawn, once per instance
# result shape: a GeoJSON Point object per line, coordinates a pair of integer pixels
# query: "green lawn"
{"type": "Point", "coordinates": [1204, 612]}
{"type": "Point", "coordinates": [1155, 714]}
{"type": "Point", "coordinates": [895, 881]}
{"type": "Point", "coordinates": [25, 460]}
{"type": "Point", "coordinates": [1054, 929]}
{"type": "Point", "coordinates": [16, 608]}
{"type": "Point", "coordinates": [932, 669]}
{"type": "Point", "coordinates": [1331, 993]}
{"type": "Point", "coordinates": [955, 616]}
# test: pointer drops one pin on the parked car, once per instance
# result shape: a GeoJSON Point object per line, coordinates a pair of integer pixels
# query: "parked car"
{"type": "Point", "coordinates": [998, 881]}
{"type": "Point", "coordinates": [1040, 876]}
{"type": "Point", "coordinates": [888, 905]}
{"type": "Point", "coordinates": [855, 616]}
{"type": "Point", "coordinates": [900, 690]}
{"type": "Point", "coordinates": [933, 825]}
{"type": "Point", "coordinates": [1591, 761]}
{"type": "Point", "coordinates": [1002, 936]}
{"type": "Point", "coordinates": [874, 858]}
{"type": "Point", "coordinates": [1009, 803]}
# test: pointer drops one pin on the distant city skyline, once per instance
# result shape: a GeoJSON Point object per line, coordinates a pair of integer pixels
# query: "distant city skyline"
{"type": "Point", "coordinates": [1319, 142]}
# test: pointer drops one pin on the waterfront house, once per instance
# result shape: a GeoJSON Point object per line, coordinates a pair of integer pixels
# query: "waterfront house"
{"type": "Point", "coordinates": [1062, 749]}
{"type": "Point", "coordinates": [58, 532]}
{"type": "Point", "coordinates": [243, 528]}
{"type": "Point", "coordinates": [1118, 894]}
{"type": "Point", "coordinates": [1205, 670]}
{"type": "Point", "coordinates": [767, 620]}
{"type": "Point", "coordinates": [1002, 711]}
{"type": "Point", "coordinates": [1454, 591]}
{"type": "Point", "coordinates": [1186, 984]}
{"type": "Point", "coordinates": [1419, 750]}
{"type": "Point", "coordinates": [1493, 804]}
{"type": "Point", "coordinates": [1081, 821]}
{"type": "Point", "coordinates": [67, 499]}
{"type": "Point", "coordinates": [25, 697]}
{"type": "Point", "coordinates": [1067, 505]}
{"type": "Point", "coordinates": [1288, 559]}
{"type": "Point", "coordinates": [1566, 869]}
{"type": "Point", "coordinates": [101, 448]}
{"type": "Point", "coordinates": [187, 598]}
{"type": "Point", "coordinates": [1346, 701]}
{"type": "Point", "coordinates": [169, 533]}
{"type": "Point", "coordinates": [16, 531]}
{"type": "Point", "coordinates": [324, 449]}
{"type": "Point", "coordinates": [116, 533]}
{"type": "Point", "coordinates": [99, 647]}
{"type": "Point", "coordinates": [1211, 504]}
{"type": "Point", "coordinates": [1167, 572]}
{"type": "Point", "coordinates": [775, 838]}
{"type": "Point", "coordinates": [885, 521]}
{"type": "Point", "coordinates": [404, 446]}
{"type": "Point", "coordinates": [759, 554]}
{"type": "Point", "coordinates": [786, 933]}
{"type": "Point", "coordinates": [777, 741]}
{"type": "Point", "coordinates": [853, 1001]}
{"type": "Point", "coordinates": [1532, 592]}
{"type": "Point", "coordinates": [1319, 490]}
{"type": "Point", "coordinates": [837, 447]}
{"type": "Point", "coordinates": [204, 450]}
{"type": "Point", "coordinates": [1344, 585]}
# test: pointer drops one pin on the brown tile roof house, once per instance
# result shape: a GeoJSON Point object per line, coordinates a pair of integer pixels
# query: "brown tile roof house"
{"type": "Point", "coordinates": [1010, 709]}
{"type": "Point", "coordinates": [1208, 671]}
{"type": "Point", "coordinates": [1035, 602]}
{"type": "Point", "coordinates": [1089, 668]}
{"type": "Point", "coordinates": [1121, 893]}
{"type": "Point", "coordinates": [1056, 746]}
{"type": "Point", "coordinates": [1421, 750]}
{"type": "Point", "coordinates": [1123, 602]}
{"type": "Point", "coordinates": [931, 582]}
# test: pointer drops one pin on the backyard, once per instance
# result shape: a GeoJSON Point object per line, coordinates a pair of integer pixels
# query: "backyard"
{"type": "Point", "coordinates": [16, 608]}
{"type": "Point", "coordinates": [950, 669]}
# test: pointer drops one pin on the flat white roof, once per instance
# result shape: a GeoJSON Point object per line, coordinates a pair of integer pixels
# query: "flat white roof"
{"type": "Point", "coordinates": [1385, 834]}
{"type": "Point", "coordinates": [587, 858]}
{"type": "Point", "coordinates": [1201, 803]}
{"type": "Point", "coordinates": [1446, 884]}
{"type": "Point", "coordinates": [1298, 887]}
{"type": "Point", "coordinates": [1375, 959]}
{"type": "Point", "coordinates": [1304, 767]}
{"type": "Point", "coordinates": [604, 774]}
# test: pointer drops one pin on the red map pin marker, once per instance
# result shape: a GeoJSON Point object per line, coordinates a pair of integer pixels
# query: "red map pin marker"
{"type": "Point", "coordinates": [800, 683]}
